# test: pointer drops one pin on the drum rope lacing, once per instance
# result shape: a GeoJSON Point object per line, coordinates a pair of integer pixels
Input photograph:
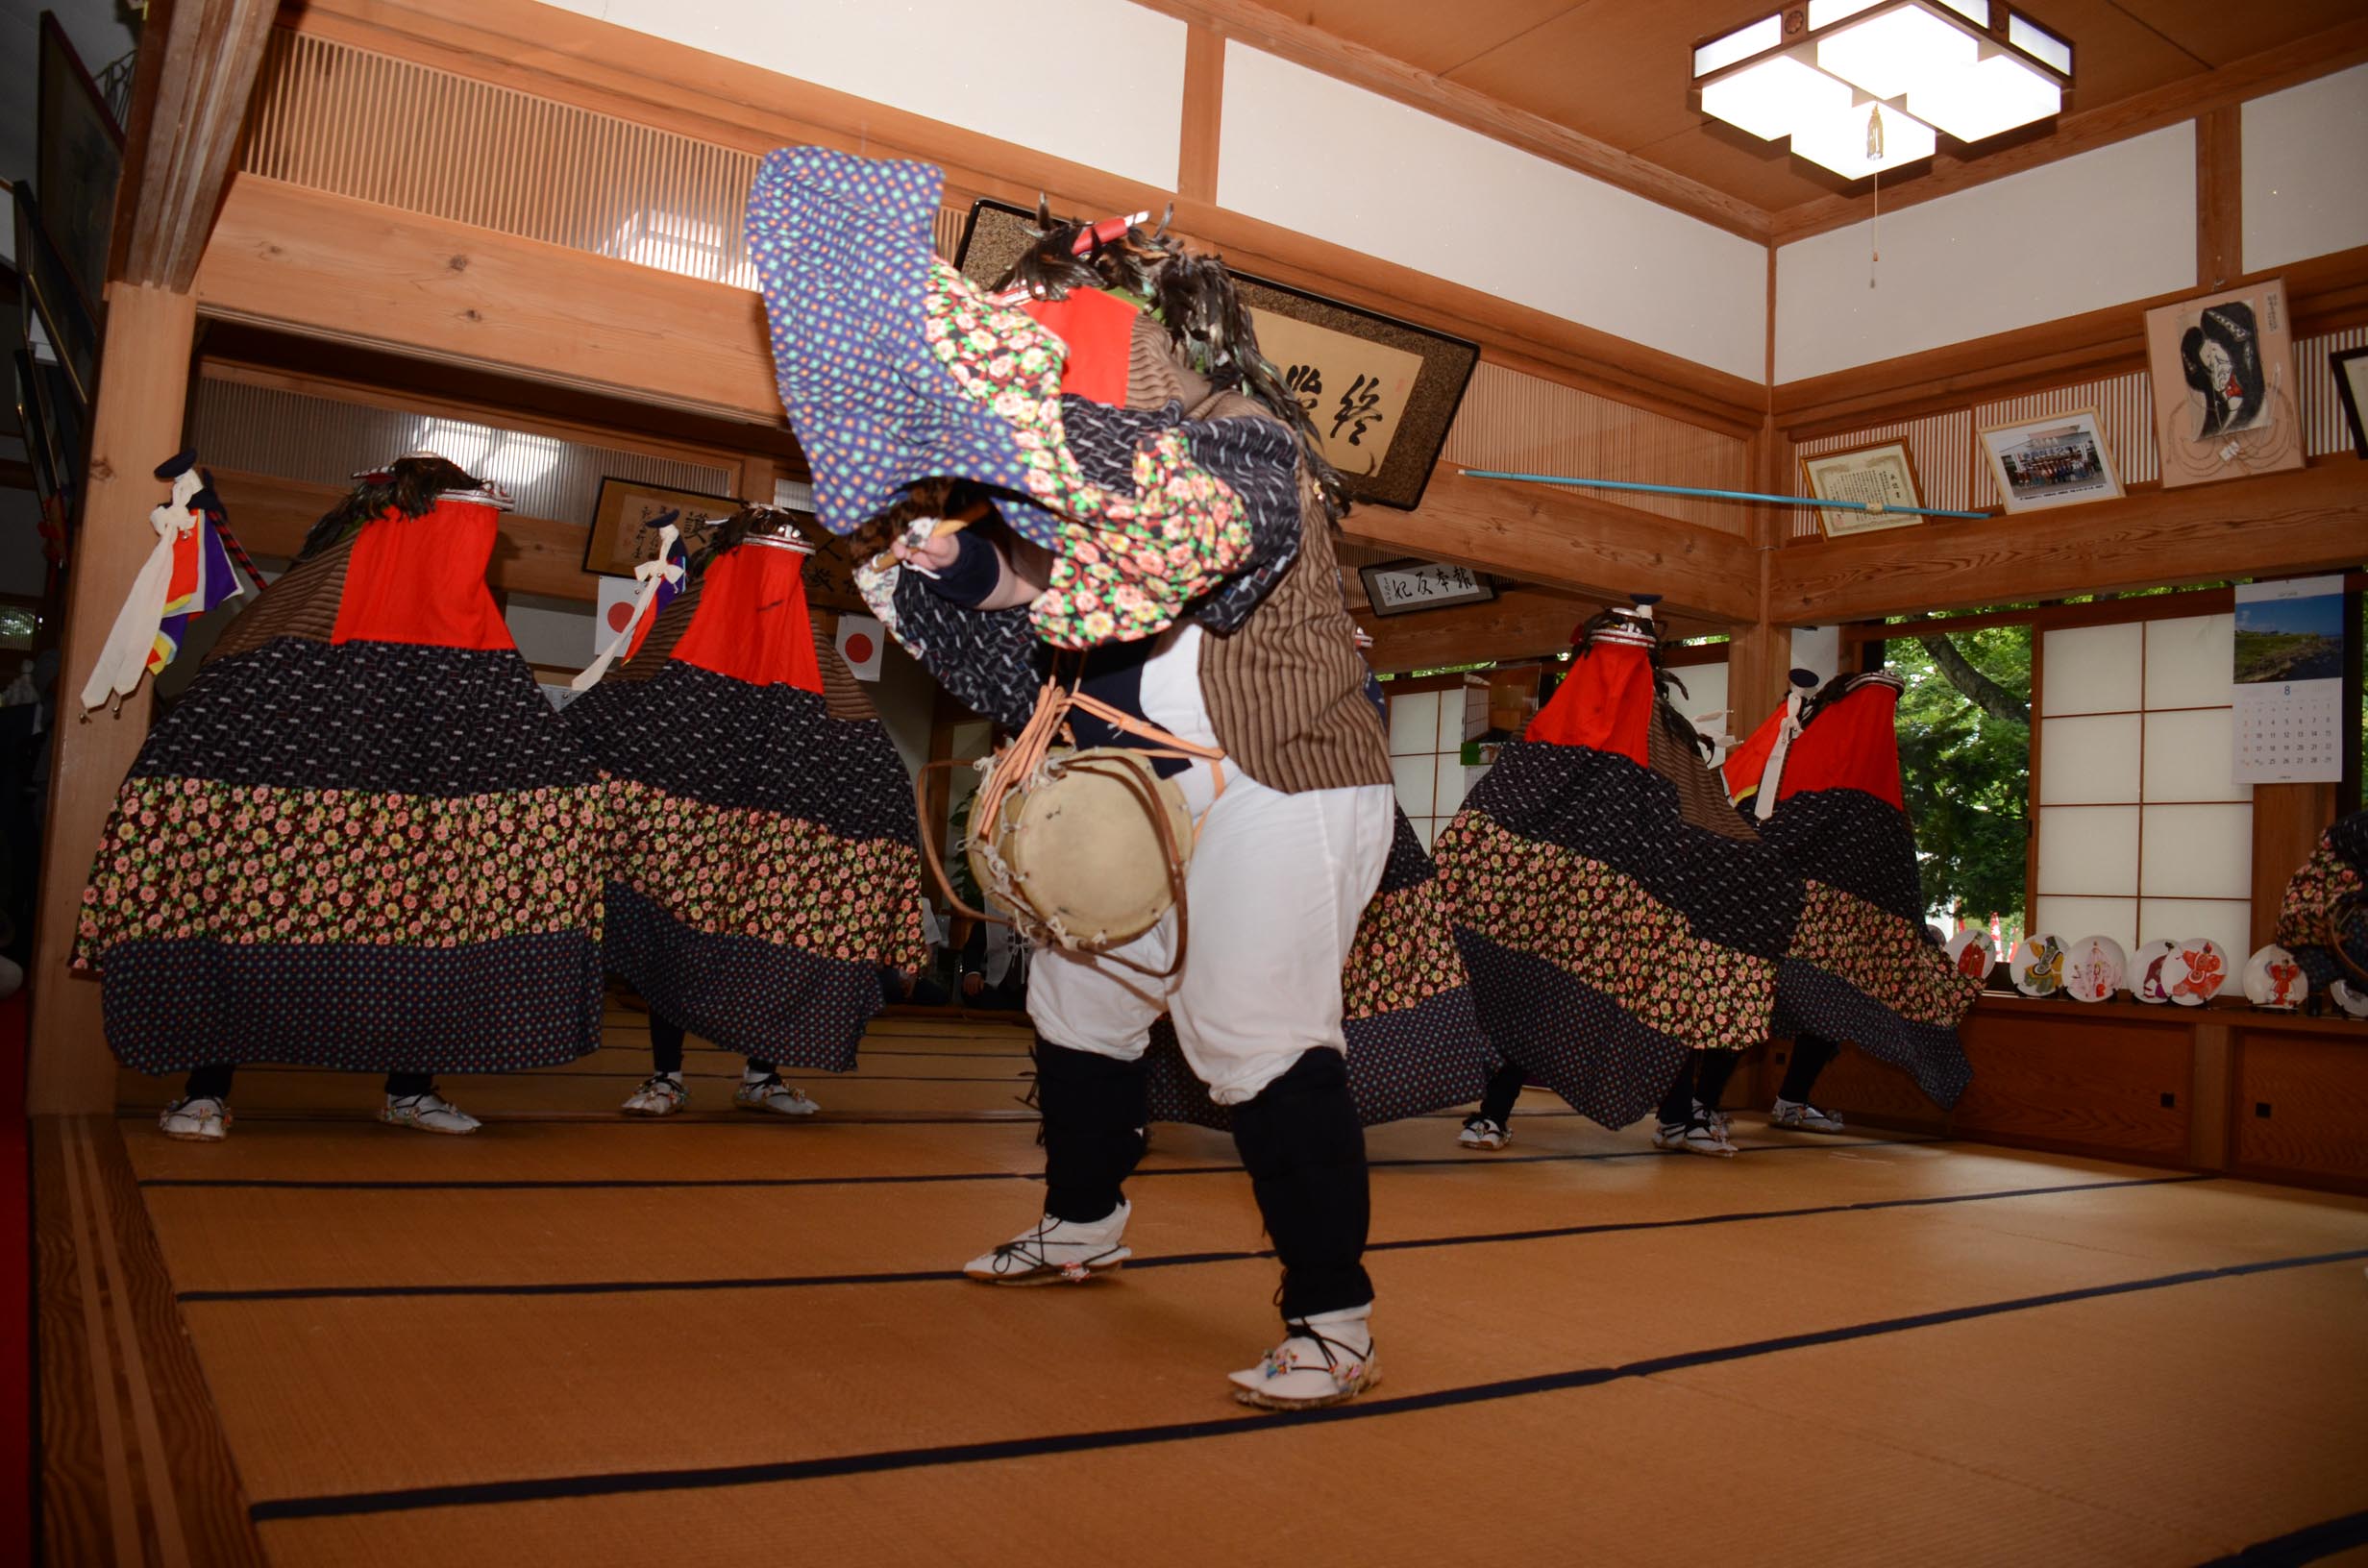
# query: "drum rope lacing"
{"type": "Point", "coordinates": [1027, 763]}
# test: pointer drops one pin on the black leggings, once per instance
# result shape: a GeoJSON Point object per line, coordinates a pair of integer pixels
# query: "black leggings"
{"type": "Point", "coordinates": [1299, 1139]}
{"type": "Point", "coordinates": [666, 1046]}
{"type": "Point", "coordinates": [1504, 1087]}
{"type": "Point", "coordinates": [1811, 1054]}
{"type": "Point", "coordinates": [1703, 1078]}
{"type": "Point", "coordinates": [214, 1083]}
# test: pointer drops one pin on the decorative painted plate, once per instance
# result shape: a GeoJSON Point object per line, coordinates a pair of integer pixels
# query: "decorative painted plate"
{"type": "Point", "coordinates": [2206, 969]}
{"type": "Point", "coordinates": [2093, 968]}
{"type": "Point", "coordinates": [1973, 951]}
{"type": "Point", "coordinates": [2038, 965]}
{"type": "Point", "coordinates": [2353, 1002]}
{"type": "Point", "coordinates": [2274, 981]}
{"type": "Point", "coordinates": [2146, 971]}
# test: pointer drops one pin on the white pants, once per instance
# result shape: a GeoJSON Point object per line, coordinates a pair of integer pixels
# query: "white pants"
{"type": "Point", "coordinates": [1276, 885]}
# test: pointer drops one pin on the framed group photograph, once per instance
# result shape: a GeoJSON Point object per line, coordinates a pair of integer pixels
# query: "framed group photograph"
{"type": "Point", "coordinates": [2226, 403]}
{"type": "Point", "coordinates": [2350, 368]}
{"type": "Point", "coordinates": [1381, 392]}
{"type": "Point", "coordinates": [1403, 587]}
{"type": "Point", "coordinates": [2058, 461]}
{"type": "Point", "coordinates": [627, 515]}
{"type": "Point", "coordinates": [1883, 474]}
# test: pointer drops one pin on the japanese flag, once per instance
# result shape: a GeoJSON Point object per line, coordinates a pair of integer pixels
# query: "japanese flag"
{"type": "Point", "coordinates": [860, 638]}
{"type": "Point", "coordinates": [614, 609]}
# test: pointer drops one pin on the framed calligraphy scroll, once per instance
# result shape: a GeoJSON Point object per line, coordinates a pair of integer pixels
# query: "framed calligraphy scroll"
{"type": "Point", "coordinates": [1381, 392]}
{"type": "Point", "coordinates": [627, 515]}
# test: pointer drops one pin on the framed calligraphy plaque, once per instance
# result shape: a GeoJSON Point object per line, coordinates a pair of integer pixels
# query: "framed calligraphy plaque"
{"type": "Point", "coordinates": [625, 521]}
{"type": "Point", "coordinates": [1405, 586]}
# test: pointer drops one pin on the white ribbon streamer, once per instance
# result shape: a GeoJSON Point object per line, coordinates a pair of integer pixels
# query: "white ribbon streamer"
{"type": "Point", "coordinates": [1763, 803]}
{"type": "Point", "coordinates": [653, 574]}
{"type": "Point", "coordinates": [123, 657]}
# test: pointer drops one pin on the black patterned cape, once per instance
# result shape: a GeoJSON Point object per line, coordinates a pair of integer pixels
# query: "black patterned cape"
{"type": "Point", "coordinates": [1861, 966]}
{"type": "Point", "coordinates": [2323, 919]}
{"type": "Point", "coordinates": [379, 852]}
{"type": "Point", "coordinates": [1415, 1044]}
{"type": "Point", "coordinates": [1613, 909]}
{"type": "Point", "coordinates": [765, 864]}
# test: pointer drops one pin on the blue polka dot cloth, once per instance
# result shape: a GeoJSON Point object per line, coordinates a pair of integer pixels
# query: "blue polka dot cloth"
{"type": "Point", "coordinates": [843, 247]}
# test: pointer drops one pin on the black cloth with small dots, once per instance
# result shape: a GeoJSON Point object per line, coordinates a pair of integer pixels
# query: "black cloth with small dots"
{"type": "Point", "coordinates": [1404, 1062]}
{"type": "Point", "coordinates": [384, 718]}
{"type": "Point", "coordinates": [707, 737]}
{"type": "Point", "coordinates": [532, 1000]}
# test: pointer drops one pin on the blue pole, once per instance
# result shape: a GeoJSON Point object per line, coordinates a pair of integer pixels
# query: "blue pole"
{"type": "Point", "coordinates": [1713, 495]}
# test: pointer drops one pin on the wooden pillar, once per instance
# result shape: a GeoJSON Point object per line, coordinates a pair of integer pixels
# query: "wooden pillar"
{"type": "Point", "coordinates": [2211, 1085]}
{"type": "Point", "coordinates": [1205, 109]}
{"type": "Point", "coordinates": [143, 395]}
{"type": "Point", "coordinates": [2219, 197]}
{"type": "Point", "coordinates": [2287, 819]}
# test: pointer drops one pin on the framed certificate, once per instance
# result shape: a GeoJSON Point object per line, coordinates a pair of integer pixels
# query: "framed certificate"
{"type": "Point", "coordinates": [1883, 474]}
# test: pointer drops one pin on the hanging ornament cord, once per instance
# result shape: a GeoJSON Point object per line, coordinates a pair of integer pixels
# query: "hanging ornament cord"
{"type": "Point", "coordinates": [1874, 229]}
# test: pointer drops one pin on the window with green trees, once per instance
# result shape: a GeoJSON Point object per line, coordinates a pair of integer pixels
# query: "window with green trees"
{"type": "Point", "coordinates": [1964, 763]}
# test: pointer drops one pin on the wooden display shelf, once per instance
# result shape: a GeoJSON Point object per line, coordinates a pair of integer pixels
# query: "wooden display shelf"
{"type": "Point", "coordinates": [2223, 1087]}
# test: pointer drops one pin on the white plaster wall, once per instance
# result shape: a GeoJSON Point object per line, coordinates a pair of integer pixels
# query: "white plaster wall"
{"type": "Point", "coordinates": [1301, 149]}
{"type": "Point", "coordinates": [2306, 178]}
{"type": "Point", "coordinates": [2108, 225]}
{"type": "Point", "coordinates": [1099, 81]}
{"type": "Point", "coordinates": [556, 632]}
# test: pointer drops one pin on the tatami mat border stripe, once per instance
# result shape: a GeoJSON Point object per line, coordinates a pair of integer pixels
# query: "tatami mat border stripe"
{"type": "Point", "coordinates": [1177, 1260]}
{"type": "Point", "coordinates": [542, 1184]}
{"type": "Point", "coordinates": [622, 1483]}
{"type": "Point", "coordinates": [2313, 1543]}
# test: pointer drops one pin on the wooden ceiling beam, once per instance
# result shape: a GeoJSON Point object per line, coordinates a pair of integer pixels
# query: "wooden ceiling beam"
{"type": "Point", "coordinates": [2271, 525]}
{"type": "Point", "coordinates": [196, 71]}
{"type": "Point", "coordinates": [1520, 622]}
{"type": "Point", "coordinates": [352, 272]}
{"type": "Point", "coordinates": [1262, 27]}
{"type": "Point", "coordinates": [532, 555]}
{"type": "Point", "coordinates": [1567, 540]}
{"type": "Point", "coordinates": [2324, 293]}
{"type": "Point", "coordinates": [355, 271]}
{"type": "Point", "coordinates": [606, 69]}
{"type": "Point", "coordinates": [2334, 49]}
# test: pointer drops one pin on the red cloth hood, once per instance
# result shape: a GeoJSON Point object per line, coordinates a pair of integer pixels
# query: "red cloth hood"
{"type": "Point", "coordinates": [750, 622]}
{"type": "Point", "coordinates": [422, 580]}
{"type": "Point", "coordinates": [1853, 744]}
{"type": "Point", "coordinates": [1605, 704]}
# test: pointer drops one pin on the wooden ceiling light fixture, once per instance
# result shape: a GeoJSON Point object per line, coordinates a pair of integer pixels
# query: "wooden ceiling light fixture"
{"type": "Point", "coordinates": [1865, 85]}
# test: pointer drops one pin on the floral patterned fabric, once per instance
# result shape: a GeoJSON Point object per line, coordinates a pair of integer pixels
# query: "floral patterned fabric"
{"type": "Point", "coordinates": [371, 855]}
{"type": "Point", "coordinates": [766, 861]}
{"type": "Point", "coordinates": [1596, 923]}
{"type": "Point", "coordinates": [1609, 926]}
{"type": "Point", "coordinates": [2323, 919]}
{"type": "Point", "coordinates": [244, 864]}
{"type": "Point", "coordinates": [1863, 968]}
{"type": "Point", "coordinates": [893, 368]}
{"type": "Point", "coordinates": [1415, 1044]}
{"type": "Point", "coordinates": [739, 872]}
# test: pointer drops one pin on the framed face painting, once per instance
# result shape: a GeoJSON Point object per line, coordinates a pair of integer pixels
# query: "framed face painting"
{"type": "Point", "coordinates": [2226, 403]}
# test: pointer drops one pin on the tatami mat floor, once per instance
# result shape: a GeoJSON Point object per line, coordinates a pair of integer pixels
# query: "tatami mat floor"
{"type": "Point", "coordinates": [719, 1340]}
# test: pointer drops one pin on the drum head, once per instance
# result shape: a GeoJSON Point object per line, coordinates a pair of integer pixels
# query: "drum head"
{"type": "Point", "coordinates": [1083, 851]}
